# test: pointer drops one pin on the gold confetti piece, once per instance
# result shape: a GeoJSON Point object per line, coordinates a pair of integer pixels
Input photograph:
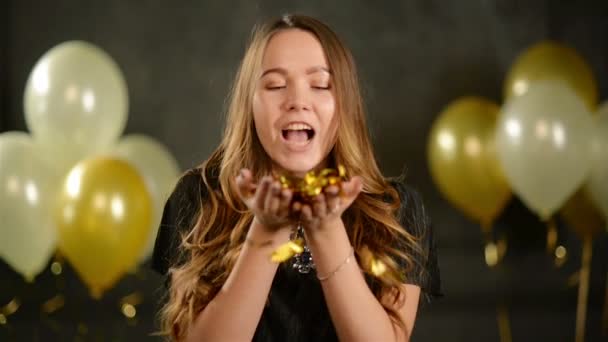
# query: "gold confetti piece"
{"type": "Point", "coordinates": [281, 254]}
{"type": "Point", "coordinates": [287, 250]}
{"type": "Point", "coordinates": [56, 268]}
{"type": "Point", "coordinates": [53, 304]}
{"type": "Point", "coordinates": [129, 310]}
{"type": "Point", "coordinates": [2, 319]}
{"type": "Point", "coordinates": [326, 172]}
{"type": "Point", "coordinates": [341, 171]}
{"type": "Point", "coordinates": [491, 254]}
{"type": "Point", "coordinates": [372, 265]}
{"type": "Point", "coordinates": [377, 267]}
{"type": "Point", "coordinates": [297, 245]}
{"type": "Point", "coordinates": [11, 307]}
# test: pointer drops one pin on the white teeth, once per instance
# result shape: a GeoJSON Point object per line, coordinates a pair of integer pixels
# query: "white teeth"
{"type": "Point", "coordinates": [297, 127]}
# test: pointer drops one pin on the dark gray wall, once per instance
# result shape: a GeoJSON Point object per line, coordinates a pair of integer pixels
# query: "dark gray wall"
{"type": "Point", "coordinates": [414, 55]}
{"type": "Point", "coordinates": [4, 69]}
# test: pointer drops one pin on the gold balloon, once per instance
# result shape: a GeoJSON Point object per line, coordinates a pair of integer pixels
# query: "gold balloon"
{"type": "Point", "coordinates": [103, 217]}
{"type": "Point", "coordinates": [463, 162]}
{"type": "Point", "coordinates": [582, 215]}
{"type": "Point", "coordinates": [552, 61]}
{"type": "Point", "coordinates": [159, 169]}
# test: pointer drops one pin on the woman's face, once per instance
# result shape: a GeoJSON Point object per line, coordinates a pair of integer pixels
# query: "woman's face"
{"type": "Point", "coordinates": [293, 104]}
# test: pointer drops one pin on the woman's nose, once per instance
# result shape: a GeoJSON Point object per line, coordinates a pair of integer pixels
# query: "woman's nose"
{"type": "Point", "coordinates": [296, 98]}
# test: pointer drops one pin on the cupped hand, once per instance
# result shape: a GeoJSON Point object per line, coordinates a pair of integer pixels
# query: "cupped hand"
{"type": "Point", "coordinates": [328, 205]}
{"type": "Point", "coordinates": [269, 203]}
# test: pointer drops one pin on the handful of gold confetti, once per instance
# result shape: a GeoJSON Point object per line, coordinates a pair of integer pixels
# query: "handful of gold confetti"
{"type": "Point", "coordinates": [305, 189]}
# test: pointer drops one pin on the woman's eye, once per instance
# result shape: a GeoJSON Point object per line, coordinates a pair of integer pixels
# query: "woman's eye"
{"type": "Point", "coordinates": [275, 87]}
{"type": "Point", "coordinates": [321, 87]}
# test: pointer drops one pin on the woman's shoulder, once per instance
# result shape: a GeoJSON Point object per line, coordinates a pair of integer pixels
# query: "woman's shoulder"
{"type": "Point", "coordinates": [186, 197]}
{"type": "Point", "coordinates": [413, 217]}
{"type": "Point", "coordinates": [188, 183]}
{"type": "Point", "coordinates": [412, 209]}
{"type": "Point", "coordinates": [178, 217]}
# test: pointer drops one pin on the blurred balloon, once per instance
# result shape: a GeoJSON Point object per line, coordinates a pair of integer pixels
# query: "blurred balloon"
{"type": "Point", "coordinates": [103, 217]}
{"type": "Point", "coordinates": [552, 61]}
{"type": "Point", "coordinates": [463, 161]}
{"type": "Point", "coordinates": [159, 169]}
{"type": "Point", "coordinates": [582, 216]}
{"type": "Point", "coordinates": [27, 191]}
{"type": "Point", "coordinates": [597, 183]}
{"type": "Point", "coordinates": [75, 102]}
{"type": "Point", "coordinates": [543, 145]}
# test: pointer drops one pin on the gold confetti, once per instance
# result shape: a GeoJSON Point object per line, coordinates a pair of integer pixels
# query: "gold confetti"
{"type": "Point", "coordinates": [56, 268]}
{"type": "Point", "coordinates": [491, 254]}
{"type": "Point", "coordinates": [2, 319]}
{"type": "Point", "coordinates": [372, 264]}
{"type": "Point", "coordinates": [11, 307]}
{"type": "Point", "coordinates": [53, 304]}
{"type": "Point", "coordinates": [377, 267]}
{"type": "Point", "coordinates": [305, 189]}
{"type": "Point", "coordinates": [287, 250]}
{"type": "Point", "coordinates": [129, 310]}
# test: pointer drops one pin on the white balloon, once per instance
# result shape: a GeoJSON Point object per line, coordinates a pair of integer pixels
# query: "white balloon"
{"type": "Point", "coordinates": [543, 144]}
{"type": "Point", "coordinates": [75, 102]}
{"type": "Point", "coordinates": [597, 183]}
{"type": "Point", "coordinates": [28, 188]}
{"type": "Point", "coordinates": [159, 169]}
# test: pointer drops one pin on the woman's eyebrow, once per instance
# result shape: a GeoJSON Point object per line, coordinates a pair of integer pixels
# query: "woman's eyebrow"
{"type": "Point", "coordinates": [319, 68]}
{"type": "Point", "coordinates": [277, 70]}
{"type": "Point", "coordinates": [283, 71]}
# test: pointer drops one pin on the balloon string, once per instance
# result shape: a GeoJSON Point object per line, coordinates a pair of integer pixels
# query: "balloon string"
{"type": "Point", "coordinates": [583, 289]}
{"type": "Point", "coordinates": [504, 323]}
{"type": "Point", "coordinates": [551, 235]}
{"type": "Point", "coordinates": [486, 227]}
{"type": "Point", "coordinates": [493, 255]}
{"type": "Point", "coordinates": [605, 315]}
{"type": "Point", "coordinates": [9, 309]}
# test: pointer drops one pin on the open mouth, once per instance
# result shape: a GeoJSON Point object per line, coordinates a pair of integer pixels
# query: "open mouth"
{"type": "Point", "coordinates": [298, 133]}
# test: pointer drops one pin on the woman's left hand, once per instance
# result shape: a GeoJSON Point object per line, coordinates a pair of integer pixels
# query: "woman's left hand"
{"type": "Point", "coordinates": [328, 205]}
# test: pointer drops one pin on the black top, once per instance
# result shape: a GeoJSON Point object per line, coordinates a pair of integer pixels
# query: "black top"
{"type": "Point", "coordinates": [297, 309]}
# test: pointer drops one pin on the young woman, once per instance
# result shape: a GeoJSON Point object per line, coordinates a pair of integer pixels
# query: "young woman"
{"type": "Point", "coordinates": [295, 107]}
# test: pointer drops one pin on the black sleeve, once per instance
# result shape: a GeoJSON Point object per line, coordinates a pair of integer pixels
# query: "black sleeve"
{"type": "Point", "coordinates": [179, 216]}
{"type": "Point", "coordinates": [413, 218]}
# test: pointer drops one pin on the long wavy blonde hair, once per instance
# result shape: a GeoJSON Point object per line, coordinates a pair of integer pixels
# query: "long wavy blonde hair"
{"type": "Point", "coordinates": [215, 240]}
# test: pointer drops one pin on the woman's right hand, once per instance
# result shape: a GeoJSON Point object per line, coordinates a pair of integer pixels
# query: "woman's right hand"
{"type": "Point", "coordinates": [269, 203]}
